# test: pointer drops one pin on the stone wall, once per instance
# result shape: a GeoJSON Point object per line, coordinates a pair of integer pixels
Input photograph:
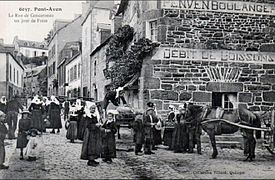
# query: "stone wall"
{"type": "Point", "coordinates": [215, 30]}
{"type": "Point", "coordinates": [176, 81]}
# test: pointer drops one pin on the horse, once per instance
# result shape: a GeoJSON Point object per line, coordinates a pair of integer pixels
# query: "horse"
{"type": "Point", "coordinates": [242, 116]}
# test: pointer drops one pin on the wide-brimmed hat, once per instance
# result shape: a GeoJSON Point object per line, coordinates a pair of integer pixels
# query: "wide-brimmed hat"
{"type": "Point", "coordinates": [25, 111]}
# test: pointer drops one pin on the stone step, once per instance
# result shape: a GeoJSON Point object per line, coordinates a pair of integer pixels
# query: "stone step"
{"type": "Point", "coordinates": [236, 138]}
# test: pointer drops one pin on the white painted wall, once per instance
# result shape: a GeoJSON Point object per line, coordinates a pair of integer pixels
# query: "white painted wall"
{"type": "Point", "coordinates": [3, 66]}
{"type": "Point", "coordinates": [77, 82]}
{"type": "Point", "coordinates": [15, 79]}
{"type": "Point", "coordinates": [31, 51]}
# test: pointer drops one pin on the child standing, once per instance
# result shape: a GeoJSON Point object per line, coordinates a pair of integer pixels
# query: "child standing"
{"type": "Point", "coordinates": [72, 128]}
{"type": "Point", "coordinates": [32, 147]}
{"type": "Point", "coordinates": [108, 137]}
{"type": "Point", "coordinates": [138, 128]}
{"type": "Point", "coordinates": [24, 126]}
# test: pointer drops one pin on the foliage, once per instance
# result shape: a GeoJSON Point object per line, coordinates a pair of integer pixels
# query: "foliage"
{"type": "Point", "coordinates": [43, 82]}
{"type": "Point", "coordinates": [127, 61]}
{"type": "Point", "coordinates": [38, 61]}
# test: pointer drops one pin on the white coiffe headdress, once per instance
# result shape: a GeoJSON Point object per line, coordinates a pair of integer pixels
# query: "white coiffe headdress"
{"type": "Point", "coordinates": [36, 100]}
{"type": "Point", "coordinates": [87, 110]}
{"type": "Point", "coordinates": [4, 100]}
{"type": "Point", "coordinates": [54, 100]}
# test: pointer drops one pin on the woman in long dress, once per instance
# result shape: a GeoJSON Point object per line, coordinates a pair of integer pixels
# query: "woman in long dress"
{"type": "Point", "coordinates": [180, 136]}
{"type": "Point", "coordinates": [82, 123]}
{"type": "Point", "coordinates": [54, 114]}
{"type": "Point", "coordinates": [37, 110]}
{"type": "Point", "coordinates": [72, 128]}
{"type": "Point", "coordinates": [108, 137]}
{"type": "Point", "coordinates": [169, 127]}
{"type": "Point", "coordinates": [24, 126]}
{"type": "Point", "coordinates": [91, 147]}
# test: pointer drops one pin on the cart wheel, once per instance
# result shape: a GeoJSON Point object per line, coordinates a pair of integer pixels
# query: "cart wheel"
{"type": "Point", "coordinates": [270, 150]}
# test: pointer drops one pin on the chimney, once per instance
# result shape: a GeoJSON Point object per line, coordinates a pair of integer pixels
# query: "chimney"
{"type": "Point", "coordinates": [1, 41]}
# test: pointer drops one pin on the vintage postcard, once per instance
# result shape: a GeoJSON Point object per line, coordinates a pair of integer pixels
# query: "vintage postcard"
{"type": "Point", "coordinates": [137, 89]}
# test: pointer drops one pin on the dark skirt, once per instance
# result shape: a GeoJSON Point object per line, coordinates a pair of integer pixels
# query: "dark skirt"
{"type": "Point", "coordinates": [167, 137]}
{"type": "Point", "coordinates": [157, 137]}
{"type": "Point", "coordinates": [91, 147]}
{"type": "Point", "coordinates": [37, 120]}
{"type": "Point", "coordinates": [108, 145]}
{"type": "Point", "coordinates": [55, 119]}
{"type": "Point", "coordinates": [22, 140]}
{"type": "Point", "coordinates": [180, 138]}
{"type": "Point", "coordinates": [81, 128]}
{"type": "Point", "coordinates": [72, 131]}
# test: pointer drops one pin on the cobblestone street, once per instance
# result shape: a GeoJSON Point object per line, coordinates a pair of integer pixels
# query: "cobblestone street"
{"type": "Point", "coordinates": [61, 159]}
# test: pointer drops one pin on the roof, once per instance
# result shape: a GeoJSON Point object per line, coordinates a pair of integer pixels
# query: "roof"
{"type": "Point", "coordinates": [108, 5]}
{"type": "Point", "coordinates": [73, 58]}
{"type": "Point", "coordinates": [10, 50]}
{"type": "Point", "coordinates": [32, 44]}
{"type": "Point", "coordinates": [52, 37]}
{"type": "Point", "coordinates": [104, 4]}
{"type": "Point", "coordinates": [101, 45]}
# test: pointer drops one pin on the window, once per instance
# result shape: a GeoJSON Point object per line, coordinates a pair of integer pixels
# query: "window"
{"type": "Point", "coordinates": [68, 76]}
{"type": "Point", "coordinates": [53, 67]}
{"type": "Point", "coordinates": [79, 70]}
{"type": "Point", "coordinates": [43, 53]}
{"type": "Point", "coordinates": [27, 52]}
{"type": "Point", "coordinates": [14, 75]}
{"type": "Point", "coordinates": [153, 30]}
{"type": "Point", "coordinates": [95, 68]}
{"type": "Point", "coordinates": [95, 93]}
{"type": "Point", "coordinates": [34, 53]}
{"type": "Point", "coordinates": [228, 100]}
{"type": "Point", "coordinates": [53, 50]}
{"type": "Point", "coordinates": [75, 74]}
{"type": "Point", "coordinates": [17, 76]}
{"type": "Point", "coordinates": [10, 73]}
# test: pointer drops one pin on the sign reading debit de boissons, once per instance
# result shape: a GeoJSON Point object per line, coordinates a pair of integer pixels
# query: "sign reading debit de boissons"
{"type": "Point", "coordinates": [215, 55]}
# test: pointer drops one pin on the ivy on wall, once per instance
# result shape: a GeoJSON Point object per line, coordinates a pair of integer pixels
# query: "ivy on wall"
{"type": "Point", "coordinates": [126, 61]}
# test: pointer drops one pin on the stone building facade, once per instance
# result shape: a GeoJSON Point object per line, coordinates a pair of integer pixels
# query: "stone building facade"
{"type": "Point", "coordinates": [96, 27]}
{"type": "Point", "coordinates": [212, 52]}
{"type": "Point", "coordinates": [63, 32]}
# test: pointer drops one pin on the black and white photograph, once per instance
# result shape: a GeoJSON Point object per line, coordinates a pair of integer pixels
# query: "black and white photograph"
{"type": "Point", "coordinates": [137, 89]}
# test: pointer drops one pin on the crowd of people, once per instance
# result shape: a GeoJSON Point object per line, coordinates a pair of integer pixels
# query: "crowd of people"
{"type": "Point", "coordinates": [84, 122]}
{"type": "Point", "coordinates": [181, 132]}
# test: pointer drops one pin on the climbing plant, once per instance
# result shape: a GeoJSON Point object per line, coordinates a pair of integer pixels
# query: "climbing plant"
{"type": "Point", "coordinates": [126, 61]}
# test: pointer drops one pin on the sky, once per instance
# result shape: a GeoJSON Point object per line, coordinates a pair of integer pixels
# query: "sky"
{"type": "Point", "coordinates": [28, 30]}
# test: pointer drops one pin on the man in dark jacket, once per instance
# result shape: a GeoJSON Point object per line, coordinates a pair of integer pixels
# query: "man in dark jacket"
{"type": "Point", "coordinates": [115, 96]}
{"type": "Point", "coordinates": [3, 133]}
{"type": "Point", "coordinates": [12, 109]}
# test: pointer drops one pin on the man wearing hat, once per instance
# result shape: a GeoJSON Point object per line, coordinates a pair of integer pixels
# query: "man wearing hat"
{"type": "Point", "coordinates": [3, 133]}
{"type": "Point", "coordinates": [24, 126]}
{"type": "Point", "coordinates": [149, 127]}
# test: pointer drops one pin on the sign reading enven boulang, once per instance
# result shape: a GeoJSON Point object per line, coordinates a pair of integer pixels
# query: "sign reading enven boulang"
{"type": "Point", "coordinates": [221, 6]}
{"type": "Point", "coordinates": [215, 55]}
